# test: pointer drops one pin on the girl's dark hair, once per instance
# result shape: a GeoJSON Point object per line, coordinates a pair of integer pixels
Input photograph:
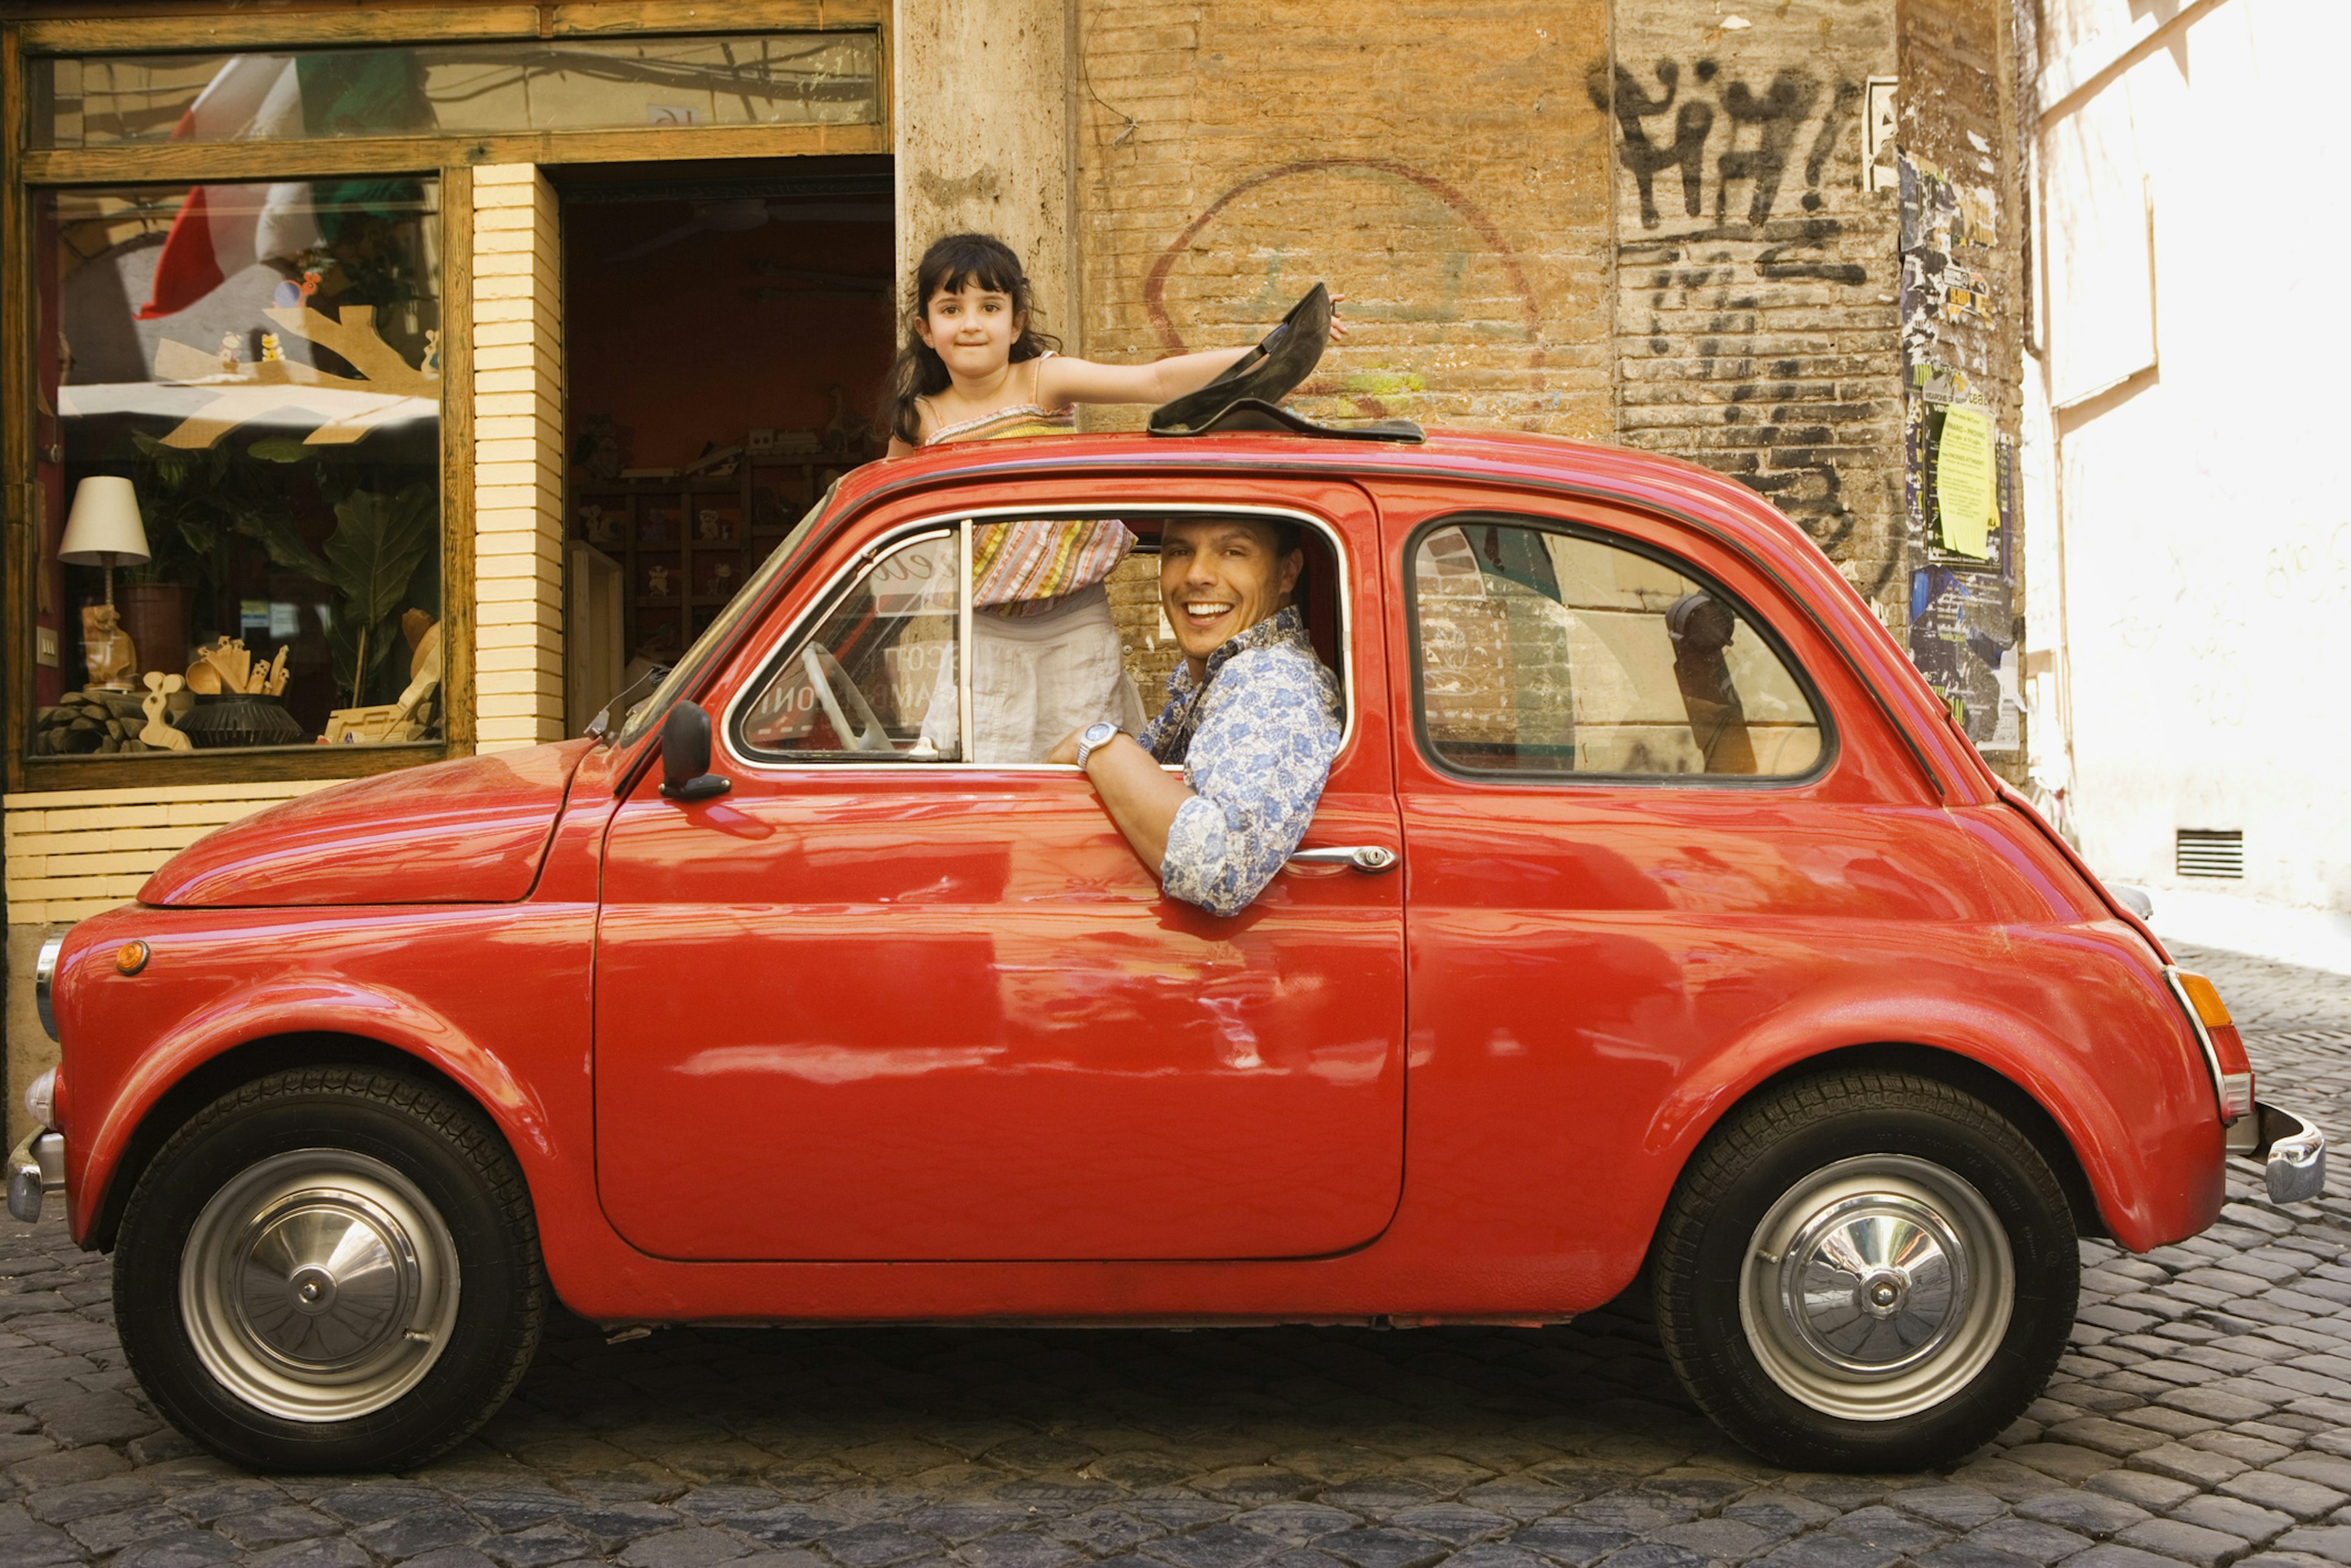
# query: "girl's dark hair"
{"type": "Point", "coordinates": [951, 263]}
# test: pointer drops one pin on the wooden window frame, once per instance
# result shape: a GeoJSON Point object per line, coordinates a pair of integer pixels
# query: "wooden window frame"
{"type": "Point", "coordinates": [32, 31]}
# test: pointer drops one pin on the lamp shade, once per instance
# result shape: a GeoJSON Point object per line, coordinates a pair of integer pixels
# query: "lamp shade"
{"type": "Point", "coordinates": [103, 529]}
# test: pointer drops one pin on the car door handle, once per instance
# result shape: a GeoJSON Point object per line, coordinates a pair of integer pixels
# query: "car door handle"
{"type": "Point", "coordinates": [1363, 857]}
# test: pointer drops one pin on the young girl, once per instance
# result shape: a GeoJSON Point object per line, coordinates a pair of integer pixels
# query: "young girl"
{"type": "Point", "coordinates": [1045, 657]}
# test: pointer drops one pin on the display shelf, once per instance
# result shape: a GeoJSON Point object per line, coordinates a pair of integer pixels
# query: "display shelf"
{"type": "Point", "coordinates": [641, 523]}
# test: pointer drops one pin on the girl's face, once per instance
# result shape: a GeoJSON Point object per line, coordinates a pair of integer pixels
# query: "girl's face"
{"type": "Point", "coordinates": [972, 328]}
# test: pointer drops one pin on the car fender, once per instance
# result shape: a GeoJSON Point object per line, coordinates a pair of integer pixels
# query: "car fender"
{"type": "Point", "coordinates": [2123, 1133]}
{"type": "Point", "coordinates": [329, 1005]}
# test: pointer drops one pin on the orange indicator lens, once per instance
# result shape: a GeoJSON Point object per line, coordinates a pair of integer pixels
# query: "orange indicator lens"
{"type": "Point", "coordinates": [2206, 998]}
{"type": "Point", "coordinates": [130, 957]}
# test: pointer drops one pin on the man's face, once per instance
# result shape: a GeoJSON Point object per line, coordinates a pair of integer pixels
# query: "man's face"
{"type": "Point", "coordinates": [972, 328]}
{"type": "Point", "coordinates": [1217, 578]}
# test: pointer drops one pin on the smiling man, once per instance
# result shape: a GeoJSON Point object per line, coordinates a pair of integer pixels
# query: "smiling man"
{"type": "Point", "coordinates": [1252, 715]}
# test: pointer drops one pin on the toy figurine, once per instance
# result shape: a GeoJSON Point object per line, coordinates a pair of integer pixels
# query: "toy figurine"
{"type": "Point", "coordinates": [710, 528]}
{"type": "Point", "coordinates": [159, 732]}
{"type": "Point", "coordinates": [657, 581]}
{"type": "Point", "coordinates": [270, 348]}
{"type": "Point", "coordinates": [231, 354]}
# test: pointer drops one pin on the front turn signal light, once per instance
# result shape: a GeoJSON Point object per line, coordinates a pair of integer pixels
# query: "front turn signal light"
{"type": "Point", "coordinates": [2216, 1031]}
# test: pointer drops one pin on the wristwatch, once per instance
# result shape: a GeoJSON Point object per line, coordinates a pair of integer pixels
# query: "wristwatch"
{"type": "Point", "coordinates": [1093, 738]}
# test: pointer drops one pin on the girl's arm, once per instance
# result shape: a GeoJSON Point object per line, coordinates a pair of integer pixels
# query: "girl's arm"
{"type": "Point", "coordinates": [1062, 380]}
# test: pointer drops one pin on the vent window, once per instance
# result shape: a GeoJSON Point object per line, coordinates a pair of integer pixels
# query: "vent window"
{"type": "Point", "coordinates": [2209, 852]}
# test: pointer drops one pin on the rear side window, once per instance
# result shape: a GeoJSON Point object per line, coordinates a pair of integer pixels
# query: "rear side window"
{"type": "Point", "coordinates": [1541, 652]}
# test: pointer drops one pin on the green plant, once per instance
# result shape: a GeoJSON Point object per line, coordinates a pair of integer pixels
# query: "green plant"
{"type": "Point", "coordinates": [195, 498]}
{"type": "Point", "coordinates": [371, 558]}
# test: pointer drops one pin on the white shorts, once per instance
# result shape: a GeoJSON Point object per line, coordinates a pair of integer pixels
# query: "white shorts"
{"type": "Point", "coordinates": [1035, 678]}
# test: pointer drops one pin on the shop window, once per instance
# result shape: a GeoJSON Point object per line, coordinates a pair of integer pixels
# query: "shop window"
{"type": "Point", "coordinates": [463, 89]}
{"type": "Point", "coordinates": [261, 363]}
{"type": "Point", "coordinates": [1541, 652]}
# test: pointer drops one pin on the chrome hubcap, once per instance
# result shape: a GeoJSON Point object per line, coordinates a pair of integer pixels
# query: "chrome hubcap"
{"type": "Point", "coordinates": [1877, 1287]}
{"type": "Point", "coordinates": [318, 1285]}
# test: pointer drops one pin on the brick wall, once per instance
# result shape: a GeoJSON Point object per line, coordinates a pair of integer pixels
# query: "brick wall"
{"type": "Point", "coordinates": [1755, 321]}
{"type": "Point", "coordinates": [1441, 166]}
{"type": "Point", "coordinates": [518, 460]}
{"type": "Point", "coordinates": [72, 852]}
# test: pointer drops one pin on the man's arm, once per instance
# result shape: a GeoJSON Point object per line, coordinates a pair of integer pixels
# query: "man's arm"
{"type": "Point", "coordinates": [1143, 797]}
{"type": "Point", "coordinates": [1261, 760]}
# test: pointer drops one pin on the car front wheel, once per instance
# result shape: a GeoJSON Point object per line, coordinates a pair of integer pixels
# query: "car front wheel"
{"type": "Point", "coordinates": [330, 1269]}
{"type": "Point", "coordinates": [1865, 1272]}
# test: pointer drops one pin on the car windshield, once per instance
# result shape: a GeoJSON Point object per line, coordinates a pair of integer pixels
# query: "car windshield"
{"type": "Point", "coordinates": [641, 718]}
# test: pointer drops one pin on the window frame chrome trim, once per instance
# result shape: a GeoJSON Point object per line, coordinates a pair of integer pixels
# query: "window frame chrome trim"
{"type": "Point", "coordinates": [1831, 732]}
{"type": "Point", "coordinates": [962, 519]}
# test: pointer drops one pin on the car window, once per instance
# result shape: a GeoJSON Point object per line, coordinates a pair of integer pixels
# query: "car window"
{"type": "Point", "coordinates": [1538, 651]}
{"type": "Point", "coordinates": [876, 680]}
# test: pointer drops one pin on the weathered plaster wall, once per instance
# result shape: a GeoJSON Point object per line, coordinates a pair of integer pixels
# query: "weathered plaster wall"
{"type": "Point", "coordinates": [1755, 323]}
{"type": "Point", "coordinates": [2207, 543]}
{"type": "Point", "coordinates": [982, 112]}
{"type": "Point", "coordinates": [1443, 168]}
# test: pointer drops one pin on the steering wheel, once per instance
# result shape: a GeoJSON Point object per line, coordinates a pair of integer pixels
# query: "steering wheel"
{"type": "Point", "coordinates": [868, 735]}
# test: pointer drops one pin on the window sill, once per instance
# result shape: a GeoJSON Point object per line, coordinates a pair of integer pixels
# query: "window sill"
{"type": "Point", "coordinates": [223, 764]}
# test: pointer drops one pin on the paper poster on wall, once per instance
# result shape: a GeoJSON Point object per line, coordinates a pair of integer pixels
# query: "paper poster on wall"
{"type": "Point", "coordinates": [1965, 494]}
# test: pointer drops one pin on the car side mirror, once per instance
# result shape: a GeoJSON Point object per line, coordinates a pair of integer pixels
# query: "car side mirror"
{"type": "Point", "coordinates": [686, 756]}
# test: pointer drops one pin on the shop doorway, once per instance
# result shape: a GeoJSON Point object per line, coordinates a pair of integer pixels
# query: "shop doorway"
{"type": "Point", "coordinates": [727, 330]}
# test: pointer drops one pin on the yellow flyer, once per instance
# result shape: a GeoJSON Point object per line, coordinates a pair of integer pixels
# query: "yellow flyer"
{"type": "Point", "coordinates": [1964, 481]}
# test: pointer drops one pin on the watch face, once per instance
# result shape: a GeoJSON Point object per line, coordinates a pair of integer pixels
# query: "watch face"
{"type": "Point", "coordinates": [1096, 734]}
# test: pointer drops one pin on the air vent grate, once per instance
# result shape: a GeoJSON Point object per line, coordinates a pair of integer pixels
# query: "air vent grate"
{"type": "Point", "coordinates": [2209, 852]}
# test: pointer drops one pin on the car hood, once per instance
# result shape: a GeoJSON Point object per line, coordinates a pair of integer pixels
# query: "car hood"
{"type": "Point", "coordinates": [472, 830]}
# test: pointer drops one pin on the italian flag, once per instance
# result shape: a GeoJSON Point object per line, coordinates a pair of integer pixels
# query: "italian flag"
{"type": "Point", "coordinates": [221, 230]}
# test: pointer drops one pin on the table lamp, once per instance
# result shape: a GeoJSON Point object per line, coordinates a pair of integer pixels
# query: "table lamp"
{"type": "Point", "coordinates": [103, 529]}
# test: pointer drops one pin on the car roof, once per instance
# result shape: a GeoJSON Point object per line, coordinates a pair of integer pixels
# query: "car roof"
{"type": "Point", "coordinates": [1500, 457]}
{"type": "Point", "coordinates": [1735, 516]}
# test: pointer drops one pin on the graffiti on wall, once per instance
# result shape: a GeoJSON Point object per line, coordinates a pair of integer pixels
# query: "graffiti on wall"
{"type": "Point", "coordinates": [1752, 135]}
{"type": "Point", "coordinates": [1431, 292]}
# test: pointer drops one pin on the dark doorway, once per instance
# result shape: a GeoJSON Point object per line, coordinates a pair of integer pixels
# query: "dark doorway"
{"type": "Point", "coordinates": [727, 329]}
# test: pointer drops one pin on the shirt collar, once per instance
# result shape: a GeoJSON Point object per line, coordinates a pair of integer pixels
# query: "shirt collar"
{"type": "Point", "coordinates": [1286, 625]}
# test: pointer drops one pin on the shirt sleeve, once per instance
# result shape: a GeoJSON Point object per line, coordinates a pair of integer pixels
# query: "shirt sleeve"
{"type": "Point", "coordinates": [1257, 768]}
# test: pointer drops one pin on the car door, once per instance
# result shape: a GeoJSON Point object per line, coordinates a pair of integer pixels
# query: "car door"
{"type": "Point", "coordinates": [1633, 830]}
{"type": "Point", "coordinates": [888, 1004]}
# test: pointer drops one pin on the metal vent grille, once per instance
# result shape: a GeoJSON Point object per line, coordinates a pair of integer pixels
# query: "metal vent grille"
{"type": "Point", "coordinates": [2209, 852]}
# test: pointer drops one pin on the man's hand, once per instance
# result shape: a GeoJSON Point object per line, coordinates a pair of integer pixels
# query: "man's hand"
{"type": "Point", "coordinates": [1065, 750]}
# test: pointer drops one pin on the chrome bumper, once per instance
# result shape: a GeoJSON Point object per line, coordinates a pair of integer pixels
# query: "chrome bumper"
{"type": "Point", "coordinates": [2292, 1152]}
{"type": "Point", "coordinates": [36, 1168]}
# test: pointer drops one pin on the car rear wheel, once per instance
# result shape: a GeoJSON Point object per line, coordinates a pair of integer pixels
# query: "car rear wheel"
{"type": "Point", "coordinates": [1865, 1272]}
{"type": "Point", "coordinates": [330, 1269]}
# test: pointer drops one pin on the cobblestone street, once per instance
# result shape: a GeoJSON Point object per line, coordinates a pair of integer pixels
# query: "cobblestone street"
{"type": "Point", "coordinates": [2203, 1418]}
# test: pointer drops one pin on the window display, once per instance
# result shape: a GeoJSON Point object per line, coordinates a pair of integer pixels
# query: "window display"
{"type": "Point", "coordinates": [240, 467]}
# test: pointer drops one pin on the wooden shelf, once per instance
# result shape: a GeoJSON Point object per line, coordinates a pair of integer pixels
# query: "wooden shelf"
{"type": "Point", "coordinates": [789, 485]}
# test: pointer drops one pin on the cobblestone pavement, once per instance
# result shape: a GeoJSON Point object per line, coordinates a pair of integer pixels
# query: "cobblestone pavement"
{"type": "Point", "coordinates": [2204, 1417]}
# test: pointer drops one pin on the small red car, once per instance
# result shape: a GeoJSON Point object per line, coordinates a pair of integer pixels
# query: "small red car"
{"type": "Point", "coordinates": [1656, 925]}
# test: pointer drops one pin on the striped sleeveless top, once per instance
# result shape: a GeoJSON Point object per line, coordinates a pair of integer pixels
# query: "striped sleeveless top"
{"type": "Point", "coordinates": [1021, 568]}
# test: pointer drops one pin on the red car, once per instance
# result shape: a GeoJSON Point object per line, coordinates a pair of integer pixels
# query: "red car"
{"type": "Point", "coordinates": [1656, 925]}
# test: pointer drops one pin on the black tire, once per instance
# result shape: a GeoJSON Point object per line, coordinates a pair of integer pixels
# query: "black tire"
{"type": "Point", "coordinates": [1903, 1372]}
{"type": "Point", "coordinates": [421, 1346]}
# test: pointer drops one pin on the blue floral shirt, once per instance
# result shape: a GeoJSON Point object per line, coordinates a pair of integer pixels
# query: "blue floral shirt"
{"type": "Point", "coordinates": [1256, 737]}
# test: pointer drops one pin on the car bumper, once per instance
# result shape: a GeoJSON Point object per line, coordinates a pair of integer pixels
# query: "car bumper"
{"type": "Point", "coordinates": [36, 1168]}
{"type": "Point", "coordinates": [2293, 1152]}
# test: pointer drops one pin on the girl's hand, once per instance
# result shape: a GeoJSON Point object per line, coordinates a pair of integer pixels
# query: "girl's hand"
{"type": "Point", "coordinates": [1338, 327]}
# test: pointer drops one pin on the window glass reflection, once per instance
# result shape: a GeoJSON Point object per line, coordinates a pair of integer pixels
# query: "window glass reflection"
{"type": "Point", "coordinates": [458, 88]}
{"type": "Point", "coordinates": [261, 363]}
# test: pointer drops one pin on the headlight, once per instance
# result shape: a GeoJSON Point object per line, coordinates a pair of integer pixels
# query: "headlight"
{"type": "Point", "coordinates": [45, 971]}
{"type": "Point", "coordinates": [41, 1099]}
